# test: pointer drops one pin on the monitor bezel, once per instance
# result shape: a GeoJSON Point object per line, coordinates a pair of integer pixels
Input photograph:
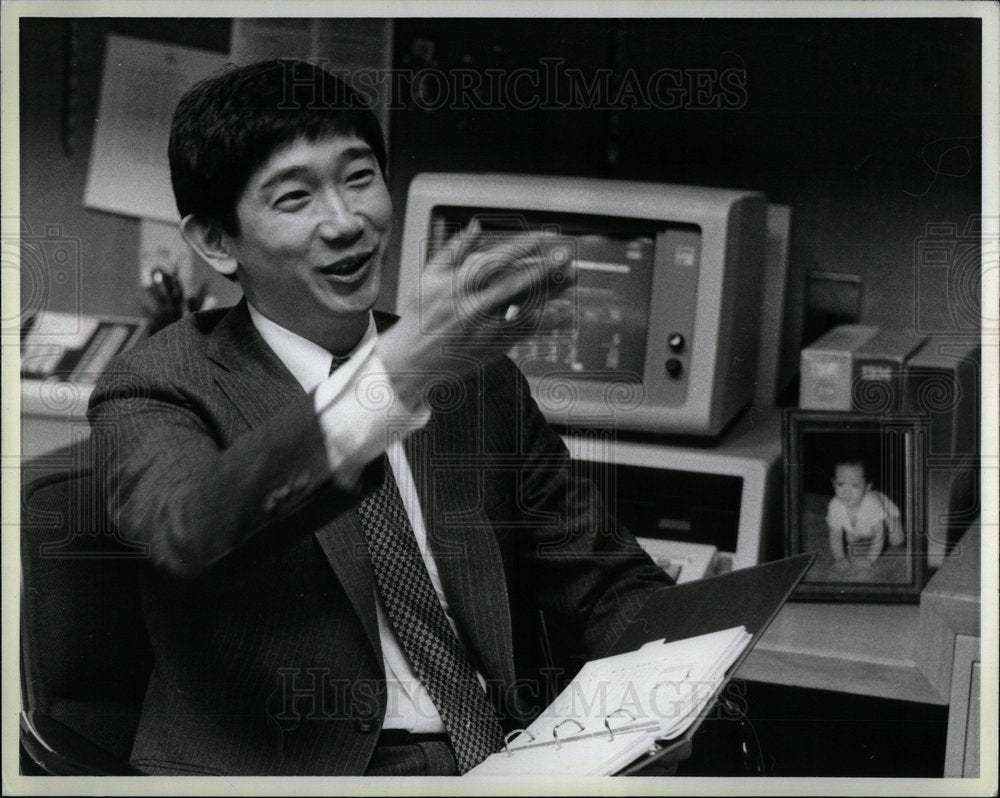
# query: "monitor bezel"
{"type": "Point", "coordinates": [717, 212]}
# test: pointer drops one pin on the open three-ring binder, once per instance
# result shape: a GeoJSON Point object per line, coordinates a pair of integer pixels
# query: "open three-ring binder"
{"type": "Point", "coordinates": [638, 709]}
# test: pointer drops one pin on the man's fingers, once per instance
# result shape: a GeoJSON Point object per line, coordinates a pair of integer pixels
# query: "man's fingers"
{"type": "Point", "coordinates": [458, 247]}
{"type": "Point", "coordinates": [527, 285]}
{"type": "Point", "coordinates": [469, 240]}
{"type": "Point", "coordinates": [501, 281]}
{"type": "Point", "coordinates": [477, 250]}
{"type": "Point", "coordinates": [495, 264]}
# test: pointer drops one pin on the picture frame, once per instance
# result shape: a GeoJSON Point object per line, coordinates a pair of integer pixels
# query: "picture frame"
{"type": "Point", "coordinates": [854, 497]}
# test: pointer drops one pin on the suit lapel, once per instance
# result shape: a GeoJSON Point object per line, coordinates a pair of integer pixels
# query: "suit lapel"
{"type": "Point", "coordinates": [258, 384]}
{"type": "Point", "coordinates": [466, 553]}
{"type": "Point", "coordinates": [343, 543]}
{"type": "Point", "coordinates": [465, 549]}
{"type": "Point", "coordinates": [250, 374]}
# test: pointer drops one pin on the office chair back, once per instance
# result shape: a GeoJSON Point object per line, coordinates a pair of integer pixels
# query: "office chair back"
{"type": "Point", "coordinates": [85, 656]}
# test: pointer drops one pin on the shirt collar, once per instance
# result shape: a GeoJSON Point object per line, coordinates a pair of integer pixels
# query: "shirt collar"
{"type": "Point", "coordinates": [308, 362]}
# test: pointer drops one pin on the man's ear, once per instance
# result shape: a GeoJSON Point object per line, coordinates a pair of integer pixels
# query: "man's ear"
{"type": "Point", "coordinates": [207, 239]}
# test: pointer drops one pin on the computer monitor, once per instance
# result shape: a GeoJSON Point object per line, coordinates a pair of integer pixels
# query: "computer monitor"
{"type": "Point", "coordinates": [661, 330]}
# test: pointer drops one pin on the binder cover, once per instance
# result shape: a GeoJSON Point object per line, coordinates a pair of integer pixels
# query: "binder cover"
{"type": "Point", "coordinates": [750, 597]}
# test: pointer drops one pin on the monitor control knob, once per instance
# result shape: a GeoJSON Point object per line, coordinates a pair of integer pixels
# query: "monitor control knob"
{"type": "Point", "coordinates": [674, 367]}
{"type": "Point", "coordinates": [675, 342]}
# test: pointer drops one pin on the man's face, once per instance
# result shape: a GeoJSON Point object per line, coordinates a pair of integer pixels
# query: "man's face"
{"type": "Point", "coordinates": [849, 484]}
{"type": "Point", "coordinates": [314, 222]}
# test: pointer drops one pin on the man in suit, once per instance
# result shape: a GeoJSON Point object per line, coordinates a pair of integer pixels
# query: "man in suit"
{"type": "Point", "coordinates": [346, 562]}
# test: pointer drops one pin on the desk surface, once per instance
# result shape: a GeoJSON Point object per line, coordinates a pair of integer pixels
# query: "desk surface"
{"type": "Point", "coordinates": [754, 437]}
{"type": "Point", "coordinates": [899, 651]}
{"type": "Point", "coordinates": [867, 649]}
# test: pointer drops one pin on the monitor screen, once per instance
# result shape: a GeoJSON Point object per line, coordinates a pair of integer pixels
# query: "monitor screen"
{"type": "Point", "coordinates": [598, 329]}
{"type": "Point", "coordinates": [660, 328]}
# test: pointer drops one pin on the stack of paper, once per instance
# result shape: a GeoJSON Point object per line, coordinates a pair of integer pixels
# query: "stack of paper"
{"type": "Point", "coordinates": [618, 706]}
{"type": "Point", "coordinates": [685, 562]}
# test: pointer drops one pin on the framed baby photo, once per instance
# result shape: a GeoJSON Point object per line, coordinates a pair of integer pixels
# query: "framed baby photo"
{"type": "Point", "coordinates": [854, 486]}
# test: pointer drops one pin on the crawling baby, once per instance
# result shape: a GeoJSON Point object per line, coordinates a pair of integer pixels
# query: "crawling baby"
{"type": "Point", "coordinates": [859, 517]}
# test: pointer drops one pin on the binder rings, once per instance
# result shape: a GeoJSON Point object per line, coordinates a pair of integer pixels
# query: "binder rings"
{"type": "Point", "coordinates": [617, 707]}
{"type": "Point", "coordinates": [703, 630]}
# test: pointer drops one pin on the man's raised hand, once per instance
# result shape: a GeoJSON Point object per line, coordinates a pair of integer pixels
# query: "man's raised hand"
{"type": "Point", "coordinates": [477, 296]}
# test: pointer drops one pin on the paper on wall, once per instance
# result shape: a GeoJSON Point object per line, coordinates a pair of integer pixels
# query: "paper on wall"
{"type": "Point", "coordinates": [142, 82]}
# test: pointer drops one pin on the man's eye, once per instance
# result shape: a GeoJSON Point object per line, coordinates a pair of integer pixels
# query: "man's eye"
{"type": "Point", "coordinates": [291, 199]}
{"type": "Point", "coordinates": [361, 177]}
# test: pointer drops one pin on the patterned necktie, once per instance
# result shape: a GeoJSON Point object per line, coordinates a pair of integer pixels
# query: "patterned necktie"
{"type": "Point", "coordinates": [415, 612]}
{"type": "Point", "coordinates": [337, 362]}
{"type": "Point", "coordinates": [417, 617]}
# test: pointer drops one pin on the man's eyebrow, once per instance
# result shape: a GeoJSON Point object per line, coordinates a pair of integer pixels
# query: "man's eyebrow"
{"type": "Point", "coordinates": [290, 173]}
{"type": "Point", "coordinates": [358, 151]}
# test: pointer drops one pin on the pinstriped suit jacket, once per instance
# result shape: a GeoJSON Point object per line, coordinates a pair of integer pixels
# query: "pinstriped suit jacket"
{"type": "Point", "coordinates": [259, 596]}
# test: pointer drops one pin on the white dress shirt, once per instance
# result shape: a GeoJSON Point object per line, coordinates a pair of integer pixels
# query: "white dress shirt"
{"type": "Point", "coordinates": [354, 406]}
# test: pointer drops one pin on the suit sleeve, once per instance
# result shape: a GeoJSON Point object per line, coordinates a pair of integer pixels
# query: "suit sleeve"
{"type": "Point", "coordinates": [588, 570]}
{"type": "Point", "coordinates": [175, 482]}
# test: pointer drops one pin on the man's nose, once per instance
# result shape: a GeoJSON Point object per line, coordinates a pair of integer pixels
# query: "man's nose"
{"type": "Point", "coordinates": [339, 220]}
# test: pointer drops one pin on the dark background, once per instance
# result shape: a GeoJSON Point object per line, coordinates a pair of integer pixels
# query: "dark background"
{"type": "Point", "coordinates": [821, 451]}
{"type": "Point", "coordinates": [869, 129]}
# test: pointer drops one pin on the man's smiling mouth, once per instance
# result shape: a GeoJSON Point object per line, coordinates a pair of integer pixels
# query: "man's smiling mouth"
{"type": "Point", "coordinates": [348, 268]}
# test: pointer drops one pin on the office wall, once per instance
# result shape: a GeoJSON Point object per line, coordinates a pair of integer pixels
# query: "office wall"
{"type": "Point", "coordinates": [55, 156]}
{"type": "Point", "coordinates": [868, 129]}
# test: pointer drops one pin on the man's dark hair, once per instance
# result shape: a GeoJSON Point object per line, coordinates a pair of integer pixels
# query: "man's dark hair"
{"type": "Point", "coordinates": [225, 127]}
